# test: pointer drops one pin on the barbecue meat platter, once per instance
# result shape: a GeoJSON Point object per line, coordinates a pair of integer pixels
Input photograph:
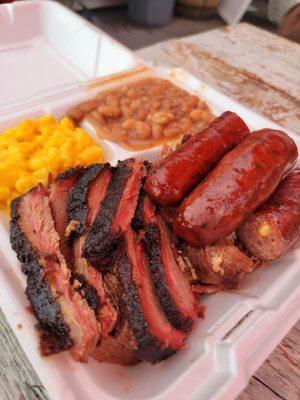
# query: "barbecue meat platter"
{"type": "Point", "coordinates": [117, 257]}
{"type": "Point", "coordinates": [150, 225]}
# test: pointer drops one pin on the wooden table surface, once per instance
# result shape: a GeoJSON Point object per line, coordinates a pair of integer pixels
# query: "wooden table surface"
{"type": "Point", "coordinates": [261, 71]}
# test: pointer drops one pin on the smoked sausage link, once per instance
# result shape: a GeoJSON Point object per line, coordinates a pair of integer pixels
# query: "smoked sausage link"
{"type": "Point", "coordinates": [176, 174]}
{"type": "Point", "coordinates": [243, 180]}
{"type": "Point", "coordinates": [274, 227]}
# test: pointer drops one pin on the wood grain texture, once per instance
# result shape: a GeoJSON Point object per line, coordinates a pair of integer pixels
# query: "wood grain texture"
{"type": "Point", "coordinates": [255, 67]}
{"type": "Point", "coordinates": [279, 376]}
{"type": "Point", "coordinates": [18, 381]}
{"type": "Point", "coordinates": [281, 371]}
{"type": "Point", "coordinates": [257, 390]}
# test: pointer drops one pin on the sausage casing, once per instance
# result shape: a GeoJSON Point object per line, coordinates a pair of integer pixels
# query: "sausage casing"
{"type": "Point", "coordinates": [177, 173]}
{"type": "Point", "coordinates": [274, 227]}
{"type": "Point", "coordinates": [241, 182]}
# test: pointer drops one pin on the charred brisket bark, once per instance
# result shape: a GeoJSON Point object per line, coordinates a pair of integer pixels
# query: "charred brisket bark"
{"type": "Point", "coordinates": [36, 242]}
{"type": "Point", "coordinates": [153, 249]}
{"type": "Point", "coordinates": [159, 250]}
{"type": "Point", "coordinates": [138, 221]}
{"type": "Point", "coordinates": [148, 347]}
{"type": "Point", "coordinates": [77, 207]}
{"type": "Point", "coordinates": [54, 332]}
{"type": "Point", "coordinates": [87, 291]}
{"type": "Point", "coordinates": [58, 197]}
{"type": "Point", "coordinates": [102, 237]}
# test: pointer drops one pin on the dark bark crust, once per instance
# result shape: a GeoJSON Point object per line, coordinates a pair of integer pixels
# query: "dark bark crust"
{"type": "Point", "coordinates": [77, 207]}
{"type": "Point", "coordinates": [138, 219]}
{"type": "Point", "coordinates": [148, 347]}
{"type": "Point", "coordinates": [87, 291]}
{"type": "Point", "coordinates": [54, 331]}
{"type": "Point", "coordinates": [100, 242]}
{"type": "Point", "coordinates": [152, 246]}
{"type": "Point", "coordinates": [69, 173]}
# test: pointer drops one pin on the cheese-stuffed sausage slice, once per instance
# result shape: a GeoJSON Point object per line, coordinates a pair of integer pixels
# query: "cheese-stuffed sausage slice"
{"type": "Point", "coordinates": [274, 228]}
{"type": "Point", "coordinates": [243, 180]}
{"type": "Point", "coordinates": [177, 173]}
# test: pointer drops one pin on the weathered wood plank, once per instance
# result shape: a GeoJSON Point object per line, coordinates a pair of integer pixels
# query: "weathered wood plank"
{"type": "Point", "coordinates": [257, 52]}
{"type": "Point", "coordinates": [279, 376]}
{"type": "Point", "coordinates": [250, 65]}
{"type": "Point", "coordinates": [281, 371]}
{"type": "Point", "coordinates": [256, 390]}
{"type": "Point", "coordinates": [18, 381]}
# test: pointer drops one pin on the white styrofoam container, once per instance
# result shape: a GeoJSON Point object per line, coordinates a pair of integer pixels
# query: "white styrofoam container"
{"type": "Point", "coordinates": [47, 54]}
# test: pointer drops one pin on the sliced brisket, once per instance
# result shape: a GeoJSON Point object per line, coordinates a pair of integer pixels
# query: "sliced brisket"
{"type": "Point", "coordinates": [87, 291]}
{"type": "Point", "coordinates": [144, 213]}
{"type": "Point", "coordinates": [58, 198]}
{"type": "Point", "coordinates": [156, 339]}
{"type": "Point", "coordinates": [91, 189]}
{"type": "Point", "coordinates": [118, 348]}
{"type": "Point", "coordinates": [47, 270]}
{"type": "Point", "coordinates": [91, 184]}
{"type": "Point", "coordinates": [55, 335]}
{"type": "Point", "coordinates": [107, 314]}
{"type": "Point", "coordinates": [115, 214]}
{"type": "Point", "coordinates": [172, 288]}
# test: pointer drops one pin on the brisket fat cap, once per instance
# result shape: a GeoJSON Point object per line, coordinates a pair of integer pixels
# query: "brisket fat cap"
{"type": "Point", "coordinates": [156, 338]}
{"type": "Point", "coordinates": [37, 227]}
{"type": "Point", "coordinates": [115, 214]}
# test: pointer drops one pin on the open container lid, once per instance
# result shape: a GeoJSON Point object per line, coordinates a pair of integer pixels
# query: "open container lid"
{"type": "Point", "coordinates": [41, 59]}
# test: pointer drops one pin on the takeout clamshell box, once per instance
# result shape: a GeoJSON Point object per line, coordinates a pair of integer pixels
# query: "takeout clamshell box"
{"type": "Point", "coordinates": [50, 60]}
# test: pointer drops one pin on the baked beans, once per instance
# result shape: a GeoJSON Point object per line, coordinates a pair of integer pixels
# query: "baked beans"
{"type": "Point", "coordinates": [143, 114]}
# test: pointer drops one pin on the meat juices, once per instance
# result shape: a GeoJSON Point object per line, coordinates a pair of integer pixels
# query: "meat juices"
{"type": "Point", "coordinates": [176, 174]}
{"type": "Point", "coordinates": [274, 228]}
{"type": "Point", "coordinates": [240, 183]}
